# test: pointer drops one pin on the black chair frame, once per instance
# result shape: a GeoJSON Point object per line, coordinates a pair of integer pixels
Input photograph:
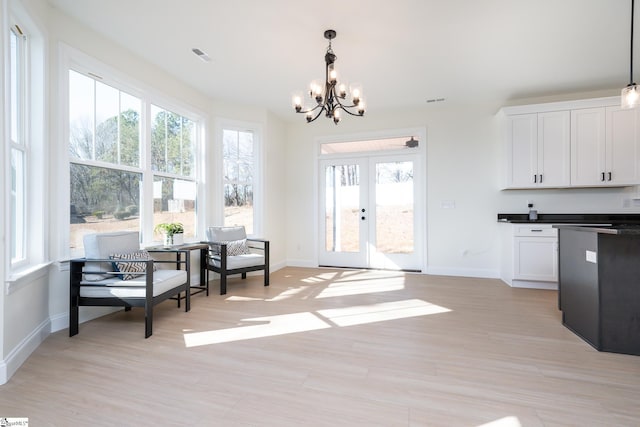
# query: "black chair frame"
{"type": "Point", "coordinates": [147, 302]}
{"type": "Point", "coordinates": [218, 250]}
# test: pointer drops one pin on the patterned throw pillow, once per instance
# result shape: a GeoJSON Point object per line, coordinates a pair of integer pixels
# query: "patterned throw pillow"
{"type": "Point", "coordinates": [237, 247]}
{"type": "Point", "coordinates": [131, 267]}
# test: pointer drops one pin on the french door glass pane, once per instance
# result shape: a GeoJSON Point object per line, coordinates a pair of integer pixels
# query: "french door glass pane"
{"type": "Point", "coordinates": [394, 207]}
{"type": "Point", "coordinates": [342, 219]}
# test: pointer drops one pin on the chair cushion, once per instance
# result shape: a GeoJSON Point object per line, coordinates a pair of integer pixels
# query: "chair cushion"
{"type": "Point", "coordinates": [131, 267]}
{"type": "Point", "coordinates": [239, 261]}
{"type": "Point", "coordinates": [102, 245]}
{"type": "Point", "coordinates": [163, 280]}
{"type": "Point", "coordinates": [226, 234]}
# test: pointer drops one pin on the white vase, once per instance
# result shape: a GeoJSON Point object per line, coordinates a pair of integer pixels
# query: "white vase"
{"type": "Point", "coordinates": [178, 239]}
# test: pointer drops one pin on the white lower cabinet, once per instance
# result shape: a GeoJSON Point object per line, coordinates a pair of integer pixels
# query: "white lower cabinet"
{"type": "Point", "coordinates": [530, 256]}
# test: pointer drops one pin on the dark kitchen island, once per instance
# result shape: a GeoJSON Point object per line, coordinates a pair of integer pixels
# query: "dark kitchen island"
{"type": "Point", "coordinates": [599, 285]}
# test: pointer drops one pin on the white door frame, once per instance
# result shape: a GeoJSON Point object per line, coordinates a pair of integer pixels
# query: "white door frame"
{"type": "Point", "coordinates": [420, 181]}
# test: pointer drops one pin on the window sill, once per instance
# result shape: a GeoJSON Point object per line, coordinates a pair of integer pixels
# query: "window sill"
{"type": "Point", "coordinates": [19, 279]}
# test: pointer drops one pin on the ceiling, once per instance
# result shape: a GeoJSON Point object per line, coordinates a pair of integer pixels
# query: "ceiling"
{"type": "Point", "coordinates": [403, 52]}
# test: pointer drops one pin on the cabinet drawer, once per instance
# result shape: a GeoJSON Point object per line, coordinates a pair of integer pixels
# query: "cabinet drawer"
{"type": "Point", "coordinates": [540, 230]}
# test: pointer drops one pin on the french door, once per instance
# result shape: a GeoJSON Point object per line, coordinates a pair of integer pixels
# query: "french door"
{"type": "Point", "coordinates": [369, 217]}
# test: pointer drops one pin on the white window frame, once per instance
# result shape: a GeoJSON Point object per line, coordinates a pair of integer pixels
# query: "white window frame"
{"type": "Point", "coordinates": [32, 145]}
{"type": "Point", "coordinates": [72, 59]}
{"type": "Point", "coordinates": [258, 159]}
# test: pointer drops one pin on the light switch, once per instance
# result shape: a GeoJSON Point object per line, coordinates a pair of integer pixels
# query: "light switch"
{"type": "Point", "coordinates": [591, 256]}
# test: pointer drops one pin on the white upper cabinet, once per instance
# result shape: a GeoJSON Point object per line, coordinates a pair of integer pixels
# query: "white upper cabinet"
{"type": "Point", "coordinates": [538, 149]}
{"type": "Point", "coordinates": [622, 149]}
{"type": "Point", "coordinates": [605, 147]}
{"type": "Point", "coordinates": [587, 143]}
{"type": "Point", "coordinates": [587, 146]}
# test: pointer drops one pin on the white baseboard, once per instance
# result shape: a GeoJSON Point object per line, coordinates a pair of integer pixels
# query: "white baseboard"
{"type": "Point", "coordinates": [59, 322]}
{"type": "Point", "coordinates": [464, 272]}
{"type": "Point", "coordinates": [301, 263]}
{"type": "Point", "coordinates": [22, 351]}
{"type": "Point", "coordinates": [530, 284]}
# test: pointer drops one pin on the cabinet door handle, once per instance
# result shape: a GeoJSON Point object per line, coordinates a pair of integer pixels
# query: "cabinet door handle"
{"type": "Point", "coordinates": [602, 177]}
{"type": "Point", "coordinates": [540, 178]}
{"type": "Point", "coordinates": [535, 179]}
{"type": "Point", "coordinates": [536, 231]}
{"type": "Point", "coordinates": [609, 176]}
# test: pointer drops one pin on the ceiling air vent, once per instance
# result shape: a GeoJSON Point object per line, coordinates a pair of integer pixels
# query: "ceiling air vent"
{"type": "Point", "coordinates": [201, 54]}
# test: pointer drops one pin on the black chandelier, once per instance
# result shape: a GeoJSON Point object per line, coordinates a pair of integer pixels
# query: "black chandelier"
{"type": "Point", "coordinates": [331, 98]}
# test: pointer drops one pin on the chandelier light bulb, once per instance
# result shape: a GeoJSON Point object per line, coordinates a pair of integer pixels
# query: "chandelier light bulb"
{"type": "Point", "coordinates": [361, 107]}
{"type": "Point", "coordinates": [297, 102]}
{"type": "Point", "coordinates": [333, 75]}
{"type": "Point", "coordinates": [342, 90]}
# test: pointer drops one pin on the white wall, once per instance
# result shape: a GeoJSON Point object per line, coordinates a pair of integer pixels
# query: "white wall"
{"type": "Point", "coordinates": [464, 165]}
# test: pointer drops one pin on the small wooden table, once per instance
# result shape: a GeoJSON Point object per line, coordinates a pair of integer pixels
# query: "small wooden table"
{"type": "Point", "coordinates": [185, 250]}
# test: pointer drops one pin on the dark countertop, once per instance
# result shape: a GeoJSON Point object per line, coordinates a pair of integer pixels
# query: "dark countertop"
{"type": "Point", "coordinates": [544, 218]}
{"type": "Point", "coordinates": [628, 229]}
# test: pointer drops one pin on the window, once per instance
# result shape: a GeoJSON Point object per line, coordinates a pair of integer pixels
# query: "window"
{"type": "Point", "coordinates": [104, 148]}
{"type": "Point", "coordinates": [120, 180]}
{"type": "Point", "coordinates": [17, 110]}
{"type": "Point", "coordinates": [239, 165]}
{"type": "Point", "coordinates": [27, 149]}
{"type": "Point", "coordinates": [173, 164]}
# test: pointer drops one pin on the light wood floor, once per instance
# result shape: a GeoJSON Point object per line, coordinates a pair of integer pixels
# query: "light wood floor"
{"type": "Point", "coordinates": [323, 347]}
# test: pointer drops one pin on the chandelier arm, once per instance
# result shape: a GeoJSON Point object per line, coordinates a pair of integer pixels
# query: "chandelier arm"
{"type": "Point", "coordinates": [344, 107]}
{"type": "Point", "coordinates": [310, 109]}
{"type": "Point", "coordinates": [317, 115]}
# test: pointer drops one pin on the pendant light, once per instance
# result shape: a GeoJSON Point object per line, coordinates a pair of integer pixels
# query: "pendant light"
{"type": "Point", "coordinates": [630, 97]}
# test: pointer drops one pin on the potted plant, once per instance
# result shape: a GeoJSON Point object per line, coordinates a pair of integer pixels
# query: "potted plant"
{"type": "Point", "coordinates": [172, 232]}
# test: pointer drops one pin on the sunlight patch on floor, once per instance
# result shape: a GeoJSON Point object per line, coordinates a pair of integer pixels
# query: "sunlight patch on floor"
{"type": "Point", "coordinates": [236, 298]}
{"type": "Point", "coordinates": [358, 315]}
{"type": "Point", "coordinates": [287, 294]}
{"type": "Point", "coordinates": [302, 322]}
{"type": "Point", "coordinates": [503, 422]}
{"type": "Point", "coordinates": [339, 289]}
{"type": "Point", "coordinates": [270, 326]}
